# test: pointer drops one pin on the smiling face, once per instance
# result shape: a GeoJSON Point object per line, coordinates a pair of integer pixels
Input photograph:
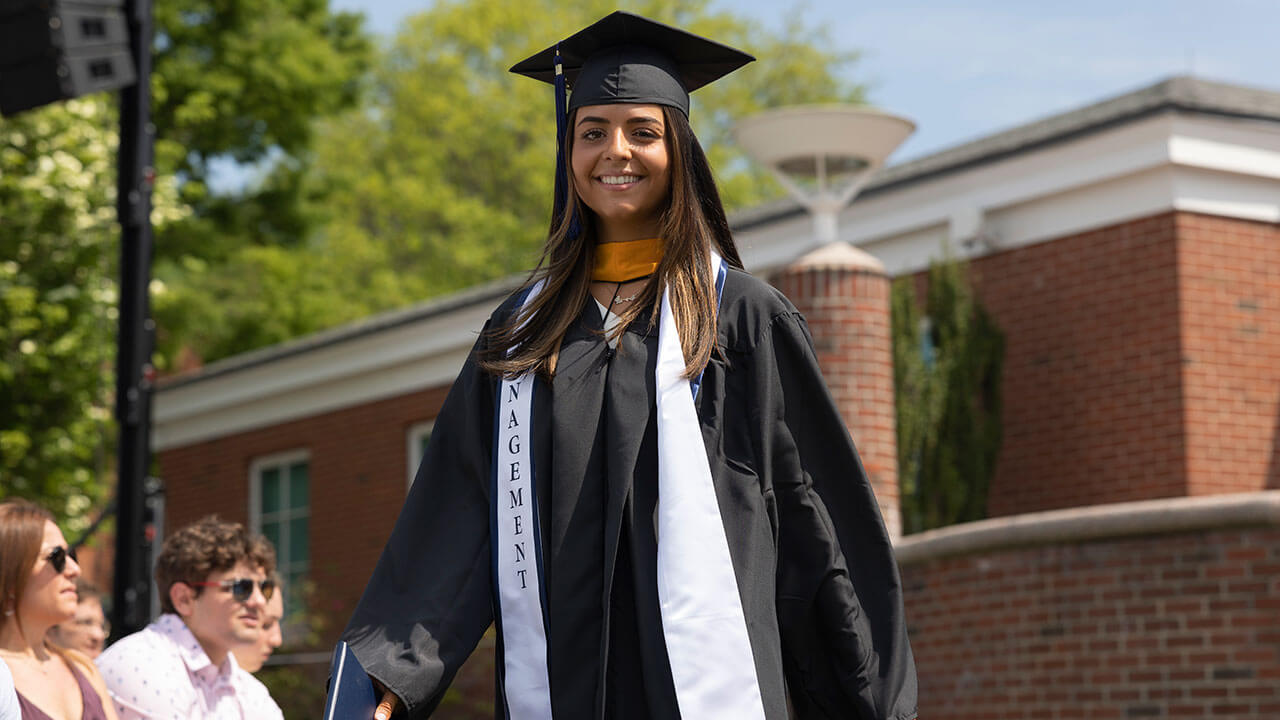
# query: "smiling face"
{"type": "Point", "coordinates": [621, 168]}
{"type": "Point", "coordinates": [50, 596]}
{"type": "Point", "coordinates": [219, 621]}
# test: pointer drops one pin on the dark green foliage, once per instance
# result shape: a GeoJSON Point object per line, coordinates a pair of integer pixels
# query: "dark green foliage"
{"type": "Point", "coordinates": [243, 80]}
{"type": "Point", "coordinates": [947, 370]}
{"type": "Point", "coordinates": [248, 77]}
{"type": "Point", "coordinates": [246, 80]}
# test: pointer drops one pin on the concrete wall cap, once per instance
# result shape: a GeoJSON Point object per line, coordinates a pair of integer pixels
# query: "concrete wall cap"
{"type": "Point", "coordinates": [1096, 522]}
{"type": "Point", "coordinates": [837, 256]}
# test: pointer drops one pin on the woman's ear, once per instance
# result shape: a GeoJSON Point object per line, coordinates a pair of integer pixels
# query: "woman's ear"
{"type": "Point", "coordinates": [183, 597]}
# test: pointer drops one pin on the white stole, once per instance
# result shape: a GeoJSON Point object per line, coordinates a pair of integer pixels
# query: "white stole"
{"type": "Point", "coordinates": [702, 620]}
{"type": "Point", "coordinates": [704, 627]}
{"type": "Point", "coordinates": [517, 552]}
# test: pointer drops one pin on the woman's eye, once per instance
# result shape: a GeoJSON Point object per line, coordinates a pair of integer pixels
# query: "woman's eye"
{"type": "Point", "coordinates": [593, 134]}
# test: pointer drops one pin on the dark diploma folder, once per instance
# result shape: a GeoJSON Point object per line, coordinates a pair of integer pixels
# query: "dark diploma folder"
{"type": "Point", "coordinates": [351, 694]}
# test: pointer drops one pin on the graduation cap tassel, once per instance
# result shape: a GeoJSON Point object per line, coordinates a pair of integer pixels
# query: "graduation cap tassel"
{"type": "Point", "coordinates": [562, 121]}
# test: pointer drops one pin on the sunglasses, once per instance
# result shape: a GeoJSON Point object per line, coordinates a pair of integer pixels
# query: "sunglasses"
{"type": "Point", "coordinates": [242, 588]}
{"type": "Point", "coordinates": [57, 557]}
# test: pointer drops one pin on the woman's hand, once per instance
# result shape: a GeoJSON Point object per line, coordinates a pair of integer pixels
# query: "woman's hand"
{"type": "Point", "coordinates": [387, 705]}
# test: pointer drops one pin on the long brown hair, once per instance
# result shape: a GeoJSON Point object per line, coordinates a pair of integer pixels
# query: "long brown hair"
{"type": "Point", "coordinates": [692, 224]}
{"type": "Point", "coordinates": [21, 533]}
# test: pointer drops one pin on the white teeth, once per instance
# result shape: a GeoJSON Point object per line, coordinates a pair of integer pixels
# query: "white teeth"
{"type": "Point", "coordinates": [618, 179]}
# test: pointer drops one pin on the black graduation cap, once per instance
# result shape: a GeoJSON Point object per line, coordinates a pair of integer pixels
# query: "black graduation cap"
{"type": "Point", "coordinates": [626, 58]}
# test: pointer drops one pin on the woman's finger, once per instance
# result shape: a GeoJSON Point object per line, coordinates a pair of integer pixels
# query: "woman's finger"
{"type": "Point", "coordinates": [386, 707]}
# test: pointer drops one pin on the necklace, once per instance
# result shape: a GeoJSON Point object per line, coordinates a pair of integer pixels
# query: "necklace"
{"type": "Point", "coordinates": [617, 300]}
{"type": "Point", "coordinates": [628, 298]}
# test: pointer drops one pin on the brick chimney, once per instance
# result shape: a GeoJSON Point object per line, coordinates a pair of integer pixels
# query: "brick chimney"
{"type": "Point", "coordinates": [843, 292]}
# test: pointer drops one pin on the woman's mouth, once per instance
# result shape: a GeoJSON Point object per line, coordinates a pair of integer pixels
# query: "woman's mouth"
{"type": "Point", "coordinates": [619, 181]}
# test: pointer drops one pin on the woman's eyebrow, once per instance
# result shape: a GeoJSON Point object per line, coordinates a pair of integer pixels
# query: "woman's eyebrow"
{"type": "Point", "coordinates": [630, 121]}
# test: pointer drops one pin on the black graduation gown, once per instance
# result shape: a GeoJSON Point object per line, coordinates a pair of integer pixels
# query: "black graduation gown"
{"type": "Point", "coordinates": [819, 586]}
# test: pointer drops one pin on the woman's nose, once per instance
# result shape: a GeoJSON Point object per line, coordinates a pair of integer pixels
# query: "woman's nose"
{"type": "Point", "coordinates": [618, 146]}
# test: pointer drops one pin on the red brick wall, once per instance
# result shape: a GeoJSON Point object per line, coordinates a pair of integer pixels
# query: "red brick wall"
{"type": "Point", "coordinates": [358, 472]}
{"type": "Point", "coordinates": [1092, 376]}
{"type": "Point", "coordinates": [1166, 626]}
{"type": "Point", "coordinates": [1229, 278]}
{"type": "Point", "coordinates": [848, 315]}
{"type": "Point", "coordinates": [1142, 361]}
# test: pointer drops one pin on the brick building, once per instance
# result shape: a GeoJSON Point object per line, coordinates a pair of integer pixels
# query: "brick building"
{"type": "Point", "coordinates": [1130, 251]}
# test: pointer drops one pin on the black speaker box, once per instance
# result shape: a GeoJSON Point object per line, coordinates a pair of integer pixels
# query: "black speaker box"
{"type": "Point", "coordinates": [53, 50]}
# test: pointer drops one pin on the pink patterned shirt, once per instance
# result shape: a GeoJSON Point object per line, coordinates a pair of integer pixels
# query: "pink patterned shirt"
{"type": "Point", "coordinates": [162, 673]}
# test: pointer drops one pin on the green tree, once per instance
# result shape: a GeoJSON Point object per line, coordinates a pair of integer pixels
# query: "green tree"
{"type": "Point", "coordinates": [947, 368]}
{"type": "Point", "coordinates": [58, 260]}
{"type": "Point", "coordinates": [443, 178]}
{"type": "Point", "coordinates": [232, 78]}
{"type": "Point", "coordinates": [245, 80]}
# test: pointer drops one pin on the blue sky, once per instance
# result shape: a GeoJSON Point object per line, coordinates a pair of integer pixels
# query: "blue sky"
{"type": "Point", "coordinates": [963, 70]}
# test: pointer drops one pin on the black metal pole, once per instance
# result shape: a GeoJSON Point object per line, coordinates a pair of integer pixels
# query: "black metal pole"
{"type": "Point", "coordinates": [131, 587]}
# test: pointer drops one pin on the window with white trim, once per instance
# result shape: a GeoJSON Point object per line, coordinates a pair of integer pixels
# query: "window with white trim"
{"type": "Point", "coordinates": [417, 438]}
{"type": "Point", "coordinates": [280, 509]}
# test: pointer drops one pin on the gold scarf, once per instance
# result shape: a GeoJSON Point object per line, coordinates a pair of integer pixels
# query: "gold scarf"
{"type": "Point", "coordinates": [619, 262]}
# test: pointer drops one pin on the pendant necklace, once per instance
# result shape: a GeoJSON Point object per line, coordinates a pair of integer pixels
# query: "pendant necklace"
{"type": "Point", "coordinates": [610, 352]}
{"type": "Point", "coordinates": [629, 298]}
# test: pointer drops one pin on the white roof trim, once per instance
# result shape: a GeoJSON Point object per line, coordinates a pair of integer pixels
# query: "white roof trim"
{"type": "Point", "coordinates": [410, 357]}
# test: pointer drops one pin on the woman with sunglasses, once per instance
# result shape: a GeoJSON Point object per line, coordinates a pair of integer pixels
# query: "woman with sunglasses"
{"type": "Point", "coordinates": [639, 475]}
{"type": "Point", "coordinates": [37, 591]}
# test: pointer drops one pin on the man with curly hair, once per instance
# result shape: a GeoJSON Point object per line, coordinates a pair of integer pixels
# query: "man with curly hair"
{"type": "Point", "coordinates": [213, 582]}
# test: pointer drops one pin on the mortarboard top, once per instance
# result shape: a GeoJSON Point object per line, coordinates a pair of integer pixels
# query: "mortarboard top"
{"type": "Point", "coordinates": [625, 58]}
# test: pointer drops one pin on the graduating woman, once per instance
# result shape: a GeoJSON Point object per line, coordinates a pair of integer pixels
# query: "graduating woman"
{"type": "Point", "coordinates": [639, 475]}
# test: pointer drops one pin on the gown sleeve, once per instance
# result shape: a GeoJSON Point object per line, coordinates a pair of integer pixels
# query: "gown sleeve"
{"type": "Point", "coordinates": [840, 610]}
{"type": "Point", "coordinates": [428, 601]}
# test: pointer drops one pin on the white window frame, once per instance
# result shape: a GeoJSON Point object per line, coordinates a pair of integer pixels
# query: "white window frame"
{"type": "Point", "coordinates": [255, 481]}
{"type": "Point", "coordinates": [280, 459]}
{"type": "Point", "coordinates": [413, 445]}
